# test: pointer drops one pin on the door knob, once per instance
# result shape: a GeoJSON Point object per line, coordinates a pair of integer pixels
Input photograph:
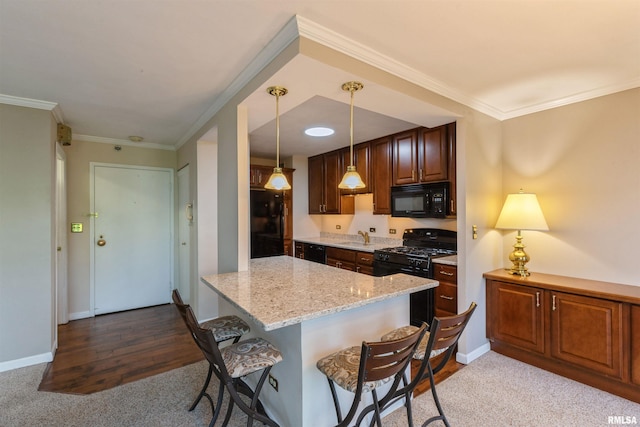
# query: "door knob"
{"type": "Point", "coordinates": [101, 242]}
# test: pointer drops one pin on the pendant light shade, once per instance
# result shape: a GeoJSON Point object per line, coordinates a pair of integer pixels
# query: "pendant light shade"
{"type": "Point", "coordinates": [277, 180]}
{"type": "Point", "coordinates": [351, 179]}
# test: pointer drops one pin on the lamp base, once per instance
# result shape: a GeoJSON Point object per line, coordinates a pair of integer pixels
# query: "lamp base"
{"type": "Point", "coordinates": [519, 258]}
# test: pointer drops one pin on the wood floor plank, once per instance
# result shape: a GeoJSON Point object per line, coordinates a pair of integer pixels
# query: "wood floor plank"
{"type": "Point", "coordinates": [109, 350]}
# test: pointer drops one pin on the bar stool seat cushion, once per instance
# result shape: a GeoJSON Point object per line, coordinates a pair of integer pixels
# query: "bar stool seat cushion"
{"type": "Point", "coordinates": [422, 347]}
{"type": "Point", "coordinates": [226, 327]}
{"type": "Point", "coordinates": [342, 368]}
{"type": "Point", "coordinates": [248, 356]}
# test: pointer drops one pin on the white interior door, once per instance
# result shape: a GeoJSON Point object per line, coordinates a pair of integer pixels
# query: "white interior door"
{"type": "Point", "coordinates": [62, 311]}
{"type": "Point", "coordinates": [185, 223]}
{"type": "Point", "coordinates": [132, 237]}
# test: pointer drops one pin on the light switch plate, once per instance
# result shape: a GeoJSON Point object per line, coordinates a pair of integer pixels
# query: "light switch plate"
{"type": "Point", "coordinates": [76, 227]}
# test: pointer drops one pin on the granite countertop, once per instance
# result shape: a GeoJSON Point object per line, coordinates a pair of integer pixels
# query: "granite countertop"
{"type": "Point", "coordinates": [281, 291]}
{"type": "Point", "coordinates": [355, 243]}
{"type": "Point", "coordinates": [449, 260]}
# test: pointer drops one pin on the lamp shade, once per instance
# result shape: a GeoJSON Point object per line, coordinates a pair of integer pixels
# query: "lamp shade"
{"type": "Point", "coordinates": [277, 181]}
{"type": "Point", "coordinates": [521, 211]}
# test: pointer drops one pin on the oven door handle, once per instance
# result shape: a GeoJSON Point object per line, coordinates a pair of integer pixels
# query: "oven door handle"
{"type": "Point", "coordinates": [407, 270]}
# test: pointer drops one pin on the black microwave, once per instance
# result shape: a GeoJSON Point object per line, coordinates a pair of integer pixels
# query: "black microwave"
{"type": "Point", "coordinates": [420, 200]}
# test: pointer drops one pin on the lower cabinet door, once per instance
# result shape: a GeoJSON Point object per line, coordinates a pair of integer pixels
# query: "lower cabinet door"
{"type": "Point", "coordinates": [587, 332]}
{"type": "Point", "coordinates": [517, 315]}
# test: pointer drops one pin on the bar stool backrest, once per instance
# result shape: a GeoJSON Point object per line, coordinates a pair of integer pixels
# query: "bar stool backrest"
{"type": "Point", "coordinates": [384, 359]}
{"type": "Point", "coordinates": [205, 340]}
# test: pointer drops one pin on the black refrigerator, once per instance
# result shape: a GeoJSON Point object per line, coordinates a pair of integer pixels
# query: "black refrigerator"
{"type": "Point", "coordinates": [267, 223]}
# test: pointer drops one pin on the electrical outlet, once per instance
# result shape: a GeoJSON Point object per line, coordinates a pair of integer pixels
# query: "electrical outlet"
{"type": "Point", "coordinates": [338, 226]}
{"type": "Point", "coordinates": [392, 231]}
{"type": "Point", "coordinates": [372, 229]}
{"type": "Point", "coordinates": [273, 381]}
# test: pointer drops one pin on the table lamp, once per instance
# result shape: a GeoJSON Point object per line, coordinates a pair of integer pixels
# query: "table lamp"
{"type": "Point", "coordinates": [521, 211]}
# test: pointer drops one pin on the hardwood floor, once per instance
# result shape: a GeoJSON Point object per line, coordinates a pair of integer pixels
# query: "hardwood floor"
{"type": "Point", "coordinates": [449, 369]}
{"type": "Point", "coordinates": [109, 350]}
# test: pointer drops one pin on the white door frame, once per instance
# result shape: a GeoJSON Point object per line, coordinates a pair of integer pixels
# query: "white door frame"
{"type": "Point", "coordinates": [185, 227]}
{"type": "Point", "coordinates": [92, 237]}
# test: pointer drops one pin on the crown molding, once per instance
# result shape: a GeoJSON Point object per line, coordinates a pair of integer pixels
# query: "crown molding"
{"type": "Point", "coordinates": [114, 141]}
{"type": "Point", "coordinates": [356, 50]}
{"type": "Point", "coordinates": [284, 38]}
{"type": "Point", "coordinates": [34, 103]}
{"type": "Point", "coordinates": [580, 97]}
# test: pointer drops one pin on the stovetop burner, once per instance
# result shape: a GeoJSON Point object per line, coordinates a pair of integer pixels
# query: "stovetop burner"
{"type": "Point", "coordinates": [418, 251]}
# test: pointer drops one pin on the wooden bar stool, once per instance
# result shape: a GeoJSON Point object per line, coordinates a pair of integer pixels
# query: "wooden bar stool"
{"type": "Point", "coordinates": [223, 328]}
{"type": "Point", "coordinates": [235, 362]}
{"type": "Point", "coordinates": [441, 338]}
{"type": "Point", "coordinates": [365, 369]}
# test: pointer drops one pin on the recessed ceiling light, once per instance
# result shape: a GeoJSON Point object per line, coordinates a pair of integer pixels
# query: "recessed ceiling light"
{"type": "Point", "coordinates": [135, 138]}
{"type": "Point", "coordinates": [319, 131]}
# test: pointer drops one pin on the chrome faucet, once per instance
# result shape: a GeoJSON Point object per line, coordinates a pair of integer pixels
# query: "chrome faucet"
{"type": "Point", "coordinates": [365, 235]}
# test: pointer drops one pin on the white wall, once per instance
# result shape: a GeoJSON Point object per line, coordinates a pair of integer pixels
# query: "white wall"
{"type": "Point", "coordinates": [583, 162]}
{"type": "Point", "coordinates": [27, 247]}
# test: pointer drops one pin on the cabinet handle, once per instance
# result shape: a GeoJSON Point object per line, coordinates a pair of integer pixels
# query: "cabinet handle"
{"type": "Point", "coordinates": [357, 269]}
{"type": "Point", "coordinates": [446, 273]}
{"type": "Point", "coordinates": [553, 303]}
{"type": "Point", "coordinates": [420, 174]}
{"type": "Point", "coordinates": [413, 174]}
{"type": "Point", "coordinates": [451, 205]}
{"type": "Point", "coordinates": [365, 259]}
{"type": "Point", "coordinates": [446, 297]}
{"type": "Point", "coordinates": [537, 299]}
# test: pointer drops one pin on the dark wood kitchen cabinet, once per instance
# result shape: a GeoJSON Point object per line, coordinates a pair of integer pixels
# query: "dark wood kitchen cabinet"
{"type": "Point", "coordinates": [259, 175]}
{"type": "Point", "coordinates": [446, 293]}
{"type": "Point", "coordinates": [325, 173]}
{"type": "Point", "coordinates": [405, 158]}
{"type": "Point", "coordinates": [381, 175]}
{"type": "Point", "coordinates": [348, 259]}
{"type": "Point", "coordinates": [583, 329]}
{"type": "Point", "coordinates": [341, 258]}
{"type": "Point", "coordinates": [420, 155]}
{"type": "Point", "coordinates": [364, 263]}
{"type": "Point", "coordinates": [451, 160]}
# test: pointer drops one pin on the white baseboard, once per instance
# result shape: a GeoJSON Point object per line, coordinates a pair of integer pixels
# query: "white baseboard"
{"type": "Point", "coordinates": [470, 357]}
{"type": "Point", "coordinates": [80, 315]}
{"type": "Point", "coordinates": [26, 361]}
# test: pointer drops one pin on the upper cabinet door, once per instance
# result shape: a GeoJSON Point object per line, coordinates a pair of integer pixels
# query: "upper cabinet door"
{"type": "Point", "coordinates": [405, 158]}
{"type": "Point", "coordinates": [316, 184]}
{"type": "Point", "coordinates": [381, 175]}
{"type": "Point", "coordinates": [433, 155]}
{"type": "Point", "coordinates": [333, 175]}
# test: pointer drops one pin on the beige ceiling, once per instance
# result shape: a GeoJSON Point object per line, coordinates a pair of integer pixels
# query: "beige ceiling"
{"type": "Point", "coordinates": [156, 68]}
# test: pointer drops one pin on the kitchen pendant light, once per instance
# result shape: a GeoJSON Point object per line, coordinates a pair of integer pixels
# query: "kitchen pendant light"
{"type": "Point", "coordinates": [277, 180]}
{"type": "Point", "coordinates": [351, 179]}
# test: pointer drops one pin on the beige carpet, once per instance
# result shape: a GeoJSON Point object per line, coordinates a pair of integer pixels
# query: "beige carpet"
{"type": "Point", "coordinates": [492, 391]}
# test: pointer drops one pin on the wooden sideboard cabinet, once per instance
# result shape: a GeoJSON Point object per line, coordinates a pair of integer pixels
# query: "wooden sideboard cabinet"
{"type": "Point", "coordinates": [585, 330]}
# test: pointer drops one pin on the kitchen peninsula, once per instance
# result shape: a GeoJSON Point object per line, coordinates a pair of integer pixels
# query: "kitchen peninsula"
{"type": "Point", "coordinates": [309, 310]}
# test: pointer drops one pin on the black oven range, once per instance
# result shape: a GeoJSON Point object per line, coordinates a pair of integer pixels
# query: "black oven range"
{"type": "Point", "coordinates": [419, 247]}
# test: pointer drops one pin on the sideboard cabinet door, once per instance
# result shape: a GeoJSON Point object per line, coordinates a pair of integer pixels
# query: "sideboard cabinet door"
{"type": "Point", "coordinates": [587, 332]}
{"type": "Point", "coordinates": [516, 315]}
